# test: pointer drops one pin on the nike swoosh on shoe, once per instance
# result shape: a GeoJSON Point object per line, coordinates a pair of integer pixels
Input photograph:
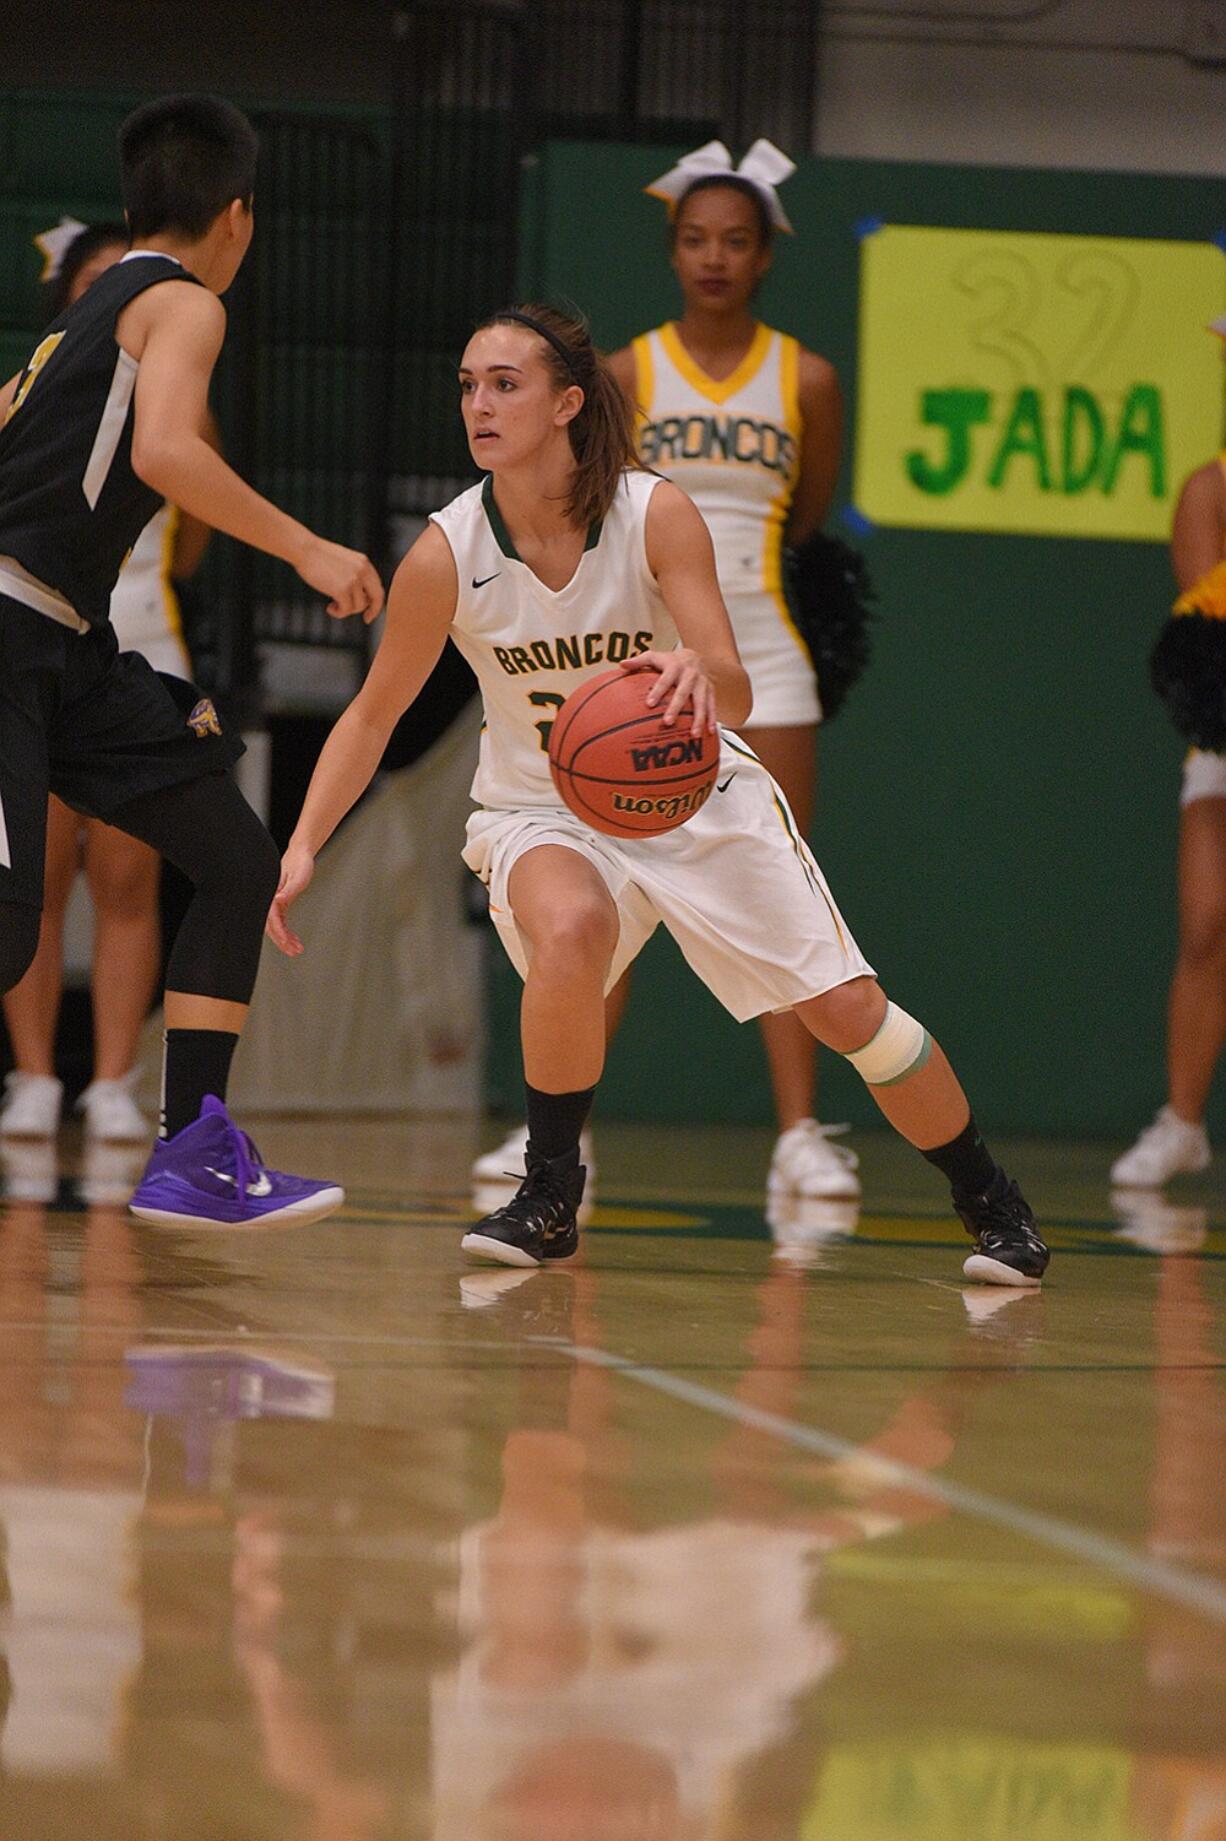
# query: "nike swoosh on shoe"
{"type": "Point", "coordinates": [261, 1186]}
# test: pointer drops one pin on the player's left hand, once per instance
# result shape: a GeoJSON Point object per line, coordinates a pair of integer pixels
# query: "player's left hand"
{"type": "Point", "coordinates": [297, 868]}
{"type": "Point", "coordinates": [683, 679]}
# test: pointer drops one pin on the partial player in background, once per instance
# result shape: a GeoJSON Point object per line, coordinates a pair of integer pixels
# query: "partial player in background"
{"type": "Point", "coordinates": [1189, 670]}
{"type": "Point", "coordinates": [99, 428]}
{"type": "Point", "coordinates": [121, 872]}
{"type": "Point", "coordinates": [749, 425]}
{"type": "Point", "coordinates": [571, 557]}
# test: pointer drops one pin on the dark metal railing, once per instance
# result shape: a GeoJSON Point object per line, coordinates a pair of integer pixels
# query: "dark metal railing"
{"type": "Point", "coordinates": [381, 243]}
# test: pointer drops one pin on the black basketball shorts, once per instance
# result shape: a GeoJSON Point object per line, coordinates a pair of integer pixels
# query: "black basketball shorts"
{"type": "Point", "coordinates": [91, 724]}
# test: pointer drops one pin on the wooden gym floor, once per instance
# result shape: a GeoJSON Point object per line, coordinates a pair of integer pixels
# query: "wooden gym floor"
{"type": "Point", "coordinates": [722, 1533]}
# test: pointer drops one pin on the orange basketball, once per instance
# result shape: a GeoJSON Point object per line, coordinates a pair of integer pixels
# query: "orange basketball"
{"type": "Point", "coordinates": [619, 767]}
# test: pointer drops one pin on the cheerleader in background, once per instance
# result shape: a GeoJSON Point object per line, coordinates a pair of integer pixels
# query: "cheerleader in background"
{"type": "Point", "coordinates": [749, 424]}
{"type": "Point", "coordinates": [1189, 672]}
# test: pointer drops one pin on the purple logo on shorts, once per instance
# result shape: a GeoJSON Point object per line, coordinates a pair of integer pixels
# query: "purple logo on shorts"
{"type": "Point", "coordinates": [203, 719]}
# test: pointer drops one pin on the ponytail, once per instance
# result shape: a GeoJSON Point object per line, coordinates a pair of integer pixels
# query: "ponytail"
{"type": "Point", "coordinates": [602, 437]}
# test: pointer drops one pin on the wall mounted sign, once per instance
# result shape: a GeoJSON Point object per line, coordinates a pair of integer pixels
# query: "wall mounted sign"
{"type": "Point", "coordinates": [1044, 385]}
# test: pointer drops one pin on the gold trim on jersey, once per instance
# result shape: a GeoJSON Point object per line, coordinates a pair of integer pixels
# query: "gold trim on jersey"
{"type": "Point", "coordinates": [644, 379]}
{"type": "Point", "coordinates": [166, 582]}
{"type": "Point", "coordinates": [783, 812]}
{"type": "Point", "coordinates": [777, 516]}
{"type": "Point", "coordinates": [716, 389]}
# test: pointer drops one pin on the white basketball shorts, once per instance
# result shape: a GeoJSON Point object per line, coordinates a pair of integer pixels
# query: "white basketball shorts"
{"type": "Point", "coordinates": [736, 886]}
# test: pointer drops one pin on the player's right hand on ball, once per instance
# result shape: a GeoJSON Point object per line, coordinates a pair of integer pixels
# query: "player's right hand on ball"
{"type": "Point", "coordinates": [346, 576]}
{"type": "Point", "coordinates": [683, 679]}
{"type": "Point", "coordinates": [297, 868]}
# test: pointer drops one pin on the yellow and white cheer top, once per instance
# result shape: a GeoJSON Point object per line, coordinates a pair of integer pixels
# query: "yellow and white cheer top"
{"type": "Point", "coordinates": [144, 605]}
{"type": "Point", "coordinates": [733, 445]}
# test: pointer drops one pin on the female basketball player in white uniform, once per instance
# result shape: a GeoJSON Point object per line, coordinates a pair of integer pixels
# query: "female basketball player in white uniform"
{"type": "Point", "coordinates": [122, 873]}
{"type": "Point", "coordinates": [749, 424]}
{"type": "Point", "coordinates": [1176, 1141]}
{"type": "Point", "coordinates": [566, 559]}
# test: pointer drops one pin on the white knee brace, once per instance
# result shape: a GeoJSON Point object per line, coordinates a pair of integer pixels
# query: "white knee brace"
{"type": "Point", "coordinates": [900, 1047]}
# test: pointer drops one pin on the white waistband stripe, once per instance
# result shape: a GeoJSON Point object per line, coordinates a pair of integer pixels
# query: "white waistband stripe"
{"type": "Point", "coordinates": [19, 585]}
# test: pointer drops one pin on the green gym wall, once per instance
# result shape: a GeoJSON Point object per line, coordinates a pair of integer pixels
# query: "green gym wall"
{"type": "Point", "coordinates": [998, 800]}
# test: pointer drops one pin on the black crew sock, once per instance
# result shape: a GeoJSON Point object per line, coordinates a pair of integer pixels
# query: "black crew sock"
{"type": "Point", "coordinates": [556, 1119]}
{"type": "Point", "coordinates": [197, 1062]}
{"type": "Point", "coordinates": [967, 1162]}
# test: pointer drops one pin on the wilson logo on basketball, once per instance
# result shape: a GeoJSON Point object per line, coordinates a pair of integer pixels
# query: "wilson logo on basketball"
{"type": "Point", "coordinates": [618, 767]}
{"type": "Point", "coordinates": [670, 754]}
{"type": "Point", "coordinates": [674, 806]}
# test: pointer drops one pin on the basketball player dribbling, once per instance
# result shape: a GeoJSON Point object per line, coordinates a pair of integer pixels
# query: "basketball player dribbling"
{"type": "Point", "coordinates": [99, 428]}
{"type": "Point", "coordinates": [749, 424]}
{"type": "Point", "coordinates": [569, 557]}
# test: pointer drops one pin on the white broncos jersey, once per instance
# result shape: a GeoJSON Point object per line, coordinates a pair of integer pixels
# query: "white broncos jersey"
{"type": "Point", "coordinates": [531, 647]}
{"type": "Point", "coordinates": [732, 444]}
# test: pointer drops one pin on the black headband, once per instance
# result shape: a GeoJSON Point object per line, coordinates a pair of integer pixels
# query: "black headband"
{"type": "Point", "coordinates": [550, 338]}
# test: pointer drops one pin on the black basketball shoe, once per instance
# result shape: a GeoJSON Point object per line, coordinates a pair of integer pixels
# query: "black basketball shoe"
{"type": "Point", "coordinates": [1008, 1250]}
{"type": "Point", "coordinates": [541, 1219]}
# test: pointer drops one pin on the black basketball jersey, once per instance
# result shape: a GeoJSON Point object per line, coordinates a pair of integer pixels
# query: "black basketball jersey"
{"type": "Point", "coordinates": [70, 505]}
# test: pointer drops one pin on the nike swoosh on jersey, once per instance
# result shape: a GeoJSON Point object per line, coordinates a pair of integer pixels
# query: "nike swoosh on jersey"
{"type": "Point", "coordinates": [261, 1186]}
{"type": "Point", "coordinates": [486, 578]}
{"type": "Point", "coordinates": [727, 784]}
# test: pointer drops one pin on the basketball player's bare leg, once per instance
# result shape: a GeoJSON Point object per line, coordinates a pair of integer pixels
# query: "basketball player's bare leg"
{"type": "Point", "coordinates": [915, 1087]}
{"type": "Point", "coordinates": [569, 921]}
{"type": "Point", "coordinates": [538, 1011]}
{"type": "Point", "coordinates": [929, 1107]}
{"type": "Point", "coordinates": [569, 924]}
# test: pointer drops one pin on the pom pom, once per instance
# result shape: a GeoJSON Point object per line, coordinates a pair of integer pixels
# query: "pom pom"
{"type": "Point", "coordinates": [1206, 596]}
{"type": "Point", "coordinates": [832, 598]}
{"type": "Point", "coordinates": [1187, 669]}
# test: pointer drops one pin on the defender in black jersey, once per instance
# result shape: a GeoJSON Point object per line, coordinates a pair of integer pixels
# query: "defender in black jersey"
{"type": "Point", "coordinates": [102, 424]}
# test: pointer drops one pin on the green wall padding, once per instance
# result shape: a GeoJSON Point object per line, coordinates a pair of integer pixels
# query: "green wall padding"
{"type": "Point", "coordinates": [998, 803]}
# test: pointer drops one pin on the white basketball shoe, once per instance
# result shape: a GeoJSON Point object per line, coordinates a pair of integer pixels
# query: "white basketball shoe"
{"type": "Point", "coordinates": [805, 1162]}
{"type": "Point", "coordinates": [1169, 1147]}
{"type": "Point", "coordinates": [112, 1116]}
{"type": "Point", "coordinates": [32, 1105]}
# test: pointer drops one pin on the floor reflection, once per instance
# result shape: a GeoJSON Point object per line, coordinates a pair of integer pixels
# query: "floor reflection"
{"type": "Point", "coordinates": [275, 1567]}
{"type": "Point", "coordinates": [619, 1679]}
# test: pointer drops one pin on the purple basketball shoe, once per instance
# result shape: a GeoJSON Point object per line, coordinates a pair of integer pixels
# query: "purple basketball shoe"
{"type": "Point", "coordinates": [210, 1175]}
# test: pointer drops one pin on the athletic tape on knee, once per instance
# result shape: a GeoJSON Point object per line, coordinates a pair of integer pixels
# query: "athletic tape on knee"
{"type": "Point", "coordinates": [900, 1047]}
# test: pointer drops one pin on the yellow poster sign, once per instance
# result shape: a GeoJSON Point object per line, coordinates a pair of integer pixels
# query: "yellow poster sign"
{"type": "Point", "coordinates": [974, 1788]}
{"type": "Point", "coordinates": [1044, 385]}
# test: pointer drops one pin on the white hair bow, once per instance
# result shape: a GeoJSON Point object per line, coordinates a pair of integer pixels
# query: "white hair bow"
{"type": "Point", "coordinates": [764, 166]}
{"type": "Point", "coordinates": [53, 245]}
